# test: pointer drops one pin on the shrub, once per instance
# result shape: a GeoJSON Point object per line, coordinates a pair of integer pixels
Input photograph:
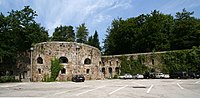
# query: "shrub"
{"type": "Point", "coordinates": [55, 68]}
{"type": "Point", "coordinates": [4, 79]}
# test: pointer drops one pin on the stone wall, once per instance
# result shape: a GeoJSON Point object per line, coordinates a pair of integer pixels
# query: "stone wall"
{"type": "Point", "coordinates": [76, 58]}
{"type": "Point", "coordinates": [113, 62]}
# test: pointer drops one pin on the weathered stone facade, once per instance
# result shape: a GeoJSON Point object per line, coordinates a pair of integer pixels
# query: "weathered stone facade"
{"type": "Point", "coordinates": [78, 58]}
{"type": "Point", "coordinates": [112, 63]}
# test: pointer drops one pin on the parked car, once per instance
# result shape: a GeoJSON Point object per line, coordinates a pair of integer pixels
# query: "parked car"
{"type": "Point", "coordinates": [126, 76]}
{"type": "Point", "coordinates": [149, 75]}
{"type": "Point", "coordinates": [159, 75]}
{"type": "Point", "coordinates": [193, 75]}
{"type": "Point", "coordinates": [138, 76]}
{"type": "Point", "coordinates": [78, 78]}
{"type": "Point", "coordinates": [166, 76]}
{"type": "Point", "coordinates": [179, 75]}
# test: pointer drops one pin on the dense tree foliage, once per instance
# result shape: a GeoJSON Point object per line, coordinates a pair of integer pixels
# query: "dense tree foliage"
{"type": "Point", "coordinates": [18, 31]}
{"type": "Point", "coordinates": [185, 60]}
{"type": "Point", "coordinates": [94, 40]}
{"type": "Point", "coordinates": [64, 33]}
{"type": "Point", "coordinates": [152, 32]}
{"type": "Point", "coordinates": [81, 33]}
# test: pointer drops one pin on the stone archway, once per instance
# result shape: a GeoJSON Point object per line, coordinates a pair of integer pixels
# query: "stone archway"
{"type": "Point", "coordinates": [103, 70]}
{"type": "Point", "coordinates": [117, 70]}
{"type": "Point", "coordinates": [110, 70]}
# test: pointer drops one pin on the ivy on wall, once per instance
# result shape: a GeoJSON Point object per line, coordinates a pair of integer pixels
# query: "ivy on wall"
{"type": "Point", "coordinates": [133, 66]}
{"type": "Point", "coordinates": [182, 60]}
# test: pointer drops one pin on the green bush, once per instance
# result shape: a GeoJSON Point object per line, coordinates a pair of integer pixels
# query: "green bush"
{"type": "Point", "coordinates": [4, 79]}
{"type": "Point", "coordinates": [46, 78]}
{"type": "Point", "coordinates": [115, 77]}
{"type": "Point", "coordinates": [55, 68]}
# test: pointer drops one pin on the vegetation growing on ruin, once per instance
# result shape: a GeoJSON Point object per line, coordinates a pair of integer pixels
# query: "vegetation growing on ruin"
{"type": "Point", "coordinates": [55, 68]}
{"type": "Point", "coordinates": [133, 66]}
{"type": "Point", "coordinates": [184, 60]}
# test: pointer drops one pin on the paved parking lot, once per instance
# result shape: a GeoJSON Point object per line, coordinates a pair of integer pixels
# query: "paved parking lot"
{"type": "Point", "coordinates": [144, 88]}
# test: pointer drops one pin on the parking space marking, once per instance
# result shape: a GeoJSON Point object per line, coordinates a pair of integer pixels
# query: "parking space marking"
{"type": "Point", "coordinates": [69, 90]}
{"type": "Point", "coordinates": [197, 81]}
{"type": "Point", "coordinates": [117, 89]}
{"type": "Point", "coordinates": [179, 86]}
{"type": "Point", "coordinates": [89, 90]}
{"type": "Point", "coordinates": [149, 89]}
{"type": "Point", "coordinates": [138, 84]}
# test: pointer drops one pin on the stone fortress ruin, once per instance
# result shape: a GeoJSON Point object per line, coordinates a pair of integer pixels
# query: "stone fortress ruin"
{"type": "Point", "coordinates": [76, 58]}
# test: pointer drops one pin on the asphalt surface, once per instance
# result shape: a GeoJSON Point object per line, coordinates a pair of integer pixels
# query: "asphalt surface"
{"type": "Point", "coordinates": [143, 88]}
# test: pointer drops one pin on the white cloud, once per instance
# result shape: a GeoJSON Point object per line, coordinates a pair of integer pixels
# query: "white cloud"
{"type": "Point", "coordinates": [74, 12]}
{"type": "Point", "coordinates": [177, 5]}
{"type": "Point", "coordinates": [99, 18]}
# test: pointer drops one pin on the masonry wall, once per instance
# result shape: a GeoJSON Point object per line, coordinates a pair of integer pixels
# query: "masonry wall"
{"type": "Point", "coordinates": [113, 62]}
{"type": "Point", "coordinates": [76, 58]}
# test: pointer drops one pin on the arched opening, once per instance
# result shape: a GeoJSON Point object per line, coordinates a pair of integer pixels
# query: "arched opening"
{"type": "Point", "coordinates": [39, 71]}
{"type": "Point", "coordinates": [39, 60]}
{"type": "Point", "coordinates": [103, 70]}
{"type": "Point", "coordinates": [110, 71]}
{"type": "Point", "coordinates": [117, 63]}
{"type": "Point", "coordinates": [87, 61]}
{"type": "Point", "coordinates": [152, 61]}
{"type": "Point", "coordinates": [63, 71]}
{"type": "Point", "coordinates": [87, 71]}
{"type": "Point", "coordinates": [117, 70]}
{"type": "Point", "coordinates": [63, 60]}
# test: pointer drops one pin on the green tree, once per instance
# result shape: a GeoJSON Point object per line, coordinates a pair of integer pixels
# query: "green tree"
{"type": "Point", "coordinates": [186, 31]}
{"type": "Point", "coordinates": [25, 29]}
{"type": "Point", "coordinates": [94, 40]}
{"type": "Point", "coordinates": [90, 40]}
{"type": "Point", "coordinates": [81, 33]}
{"type": "Point", "coordinates": [18, 32]}
{"type": "Point", "coordinates": [144, 33]}
{"type": "Point", "coordinates": [64, 33]}
{"type": "Point", "coordinates": [155, 32]}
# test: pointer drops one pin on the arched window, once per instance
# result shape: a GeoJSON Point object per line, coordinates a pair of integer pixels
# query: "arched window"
{"type": "Point", "coordinates": [39, 71]}
{"type": "Point", "coordinates": [63, 60]}
{"type": "Point", "coordinates": [39, 60]}
{"type": "Point", "coordinates": [103, 70]}
{"type": "Point", "coordinates": [87, 61]}
{"type": "Point", "coordinates": [117, 70]}
{"type": "Point", "coordinates": [110, 70]}
{"type": "Point", "coordinates": [63, 71]}
{"type": "Point", "coordinates": [152, 61]}
{"type": "Point", "coordinates": [87, 71]}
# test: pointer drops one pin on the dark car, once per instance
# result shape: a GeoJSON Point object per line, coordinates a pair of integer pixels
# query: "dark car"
{"type": "Point", "coordinates": [193, 75]}
{"type": "Point", "coordinates": [149, 75]}
{"type": "Point", "coordinates": [78, 78]}
{"type": "Point", "coordinates": [179, 75]}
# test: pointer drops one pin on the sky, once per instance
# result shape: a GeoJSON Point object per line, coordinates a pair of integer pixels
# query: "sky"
{"type": "Point", "coordinates": [96, 14]}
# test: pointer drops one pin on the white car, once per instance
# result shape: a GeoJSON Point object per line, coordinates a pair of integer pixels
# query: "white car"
{"type": "Point", "coordinates": [159, 76]}
{"type": "Point", "coordinates": [138, 76]}
{"type": "Point", "coordinates": [166, 76]}
{"type": "Point", "coordinates": [126, 76]}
